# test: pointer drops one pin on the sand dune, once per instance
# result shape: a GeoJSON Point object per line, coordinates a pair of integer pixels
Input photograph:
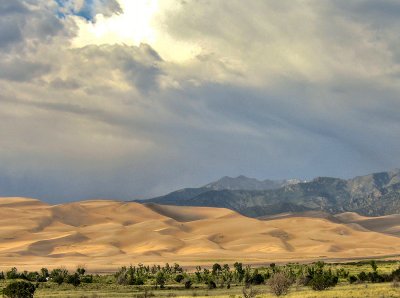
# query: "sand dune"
{"type": "Point", "coordinates": [107, 234]}
{"type": "Point", "coordinates": [389, 224]}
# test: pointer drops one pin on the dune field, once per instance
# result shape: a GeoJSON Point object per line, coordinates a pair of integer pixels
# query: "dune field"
{"type": "Point", "coordinates": [105, 234]}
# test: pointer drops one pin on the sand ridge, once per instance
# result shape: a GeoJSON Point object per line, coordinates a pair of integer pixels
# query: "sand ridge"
{"type": "Point", "coordinates": [388, 224]}
{"type": "Point", "coordinates": [105, 234]}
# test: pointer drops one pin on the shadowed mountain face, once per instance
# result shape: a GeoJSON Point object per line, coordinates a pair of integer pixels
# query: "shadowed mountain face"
{"type": "Point", "coordinates": [245, 183]}
{"type": "Point", "coordinates": [371, 195]}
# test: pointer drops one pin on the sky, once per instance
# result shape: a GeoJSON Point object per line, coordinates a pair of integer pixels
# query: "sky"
{"type": "Point", "coordinates": [129, 99]}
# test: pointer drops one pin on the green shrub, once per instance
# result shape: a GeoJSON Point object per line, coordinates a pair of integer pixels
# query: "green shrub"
{"type": "Point", "coordinates": [179, 278]}
{"type": "Point", "coordinates": [362, 276]}
{"type": "Point", "coordinates": [81, 271]}
{"type": "Point", "coordinates": [87, 279]}
{"type": "Point", "coordinates": [160, 279]}
{"type": "Point", "coordinates": [352, 279]}
{"type": "Point", "coordinates": [73, 279]}
{"type": "Point", "coordinates": [13, 274]}
{"type": "Point", "coordinates": [59, 275]}
{"type": "Point", "coordinates": [188, 284]}
{"type": "Point", "coordinates": [19, 289]}
{"type": "Point", "coordinates": [396, 274]}
{"type": "Point", "coordinates": [323, 280]}
{"type": "Point", "coordinates": [257, 279]}
{"type": "Point", "coordinates": [44, 272]}
{"type": "Point", "coordinates": [211, 284]}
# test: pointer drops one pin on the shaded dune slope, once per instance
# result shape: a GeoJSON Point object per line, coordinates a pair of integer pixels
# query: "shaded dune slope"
{"type": "Point", "coordinates": [388, 224]}
{"type": "Point", "coordinates": [105, 234]}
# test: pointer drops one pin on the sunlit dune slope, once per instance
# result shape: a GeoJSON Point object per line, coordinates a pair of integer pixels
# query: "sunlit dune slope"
{"type": "Point", "coordinates": [106, 234]}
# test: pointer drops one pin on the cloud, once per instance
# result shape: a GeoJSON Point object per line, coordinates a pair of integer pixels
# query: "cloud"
{"type": "Point", "coordinates": [267, 89]}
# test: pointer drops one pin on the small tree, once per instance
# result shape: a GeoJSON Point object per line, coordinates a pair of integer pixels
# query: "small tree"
{"type": "Point", "coordinates": [374, 266]}
{"type": "Point", "coordinates": [199, 278]}
{"type": "Point", "coordinates": [280, 283]}
{"type": "Point", "coordinates": [12, 274]}
{"type": "Point", "coordinates": [81, 271]}
{"type": "Point", "coordinates": [19, 289]}
{"type": "Point", "coordinates": [160, 279]}
{"type": "Point", "coordinates": [44, 272]}
{"type": "Point", "coordinates": [239, 272]}
{"type": "Point", "coordinates": [216, 268]}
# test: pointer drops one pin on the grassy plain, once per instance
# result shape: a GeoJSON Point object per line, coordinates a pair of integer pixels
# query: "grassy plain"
{"type": "Point", "coordinates": [105, 286]}
{"type": "Point", "coordinates": [383, 290]}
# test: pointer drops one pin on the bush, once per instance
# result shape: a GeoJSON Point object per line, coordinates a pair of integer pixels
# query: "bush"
{"type": "Point", "coordinates": [33, 276]}
{"type": "Point", "coordinates": [375, 277]}
{"type": "Point", "coordinates": [13, 274]}
{"type": "Point", "coordinates": [179, 278]}
{"type": "Point", "coordinates": [280, 283]}
{"type": "Point", "coordinates": [87, 279]}
{"type": "Point", "coordinates": [396, 273]}
{"type": "Point", "coordinates": [257, 279]}
{"type": "Point", "coordinates": [352, 279]}
{"type": "Point", "coordinates": [323, 280]}
{"type": "Point", "coordinates": [362, 276]}
{"type": "Point", "coordinates": [74, 279]}
{"type": "Point", "coordinates": [2, 276]}
{"type": "Point", "coordinates": [188, 284]}
{"type": "Point", "coordinates": [211, 284]}
{"type": "Point", "coordinates": [249, 292]}
{"type": "Point", "coordinates": [396, 283]}
{"type": "Point", "coordinates": [19, 289]}
{"type": "Point", "coordinates": [59, 275]}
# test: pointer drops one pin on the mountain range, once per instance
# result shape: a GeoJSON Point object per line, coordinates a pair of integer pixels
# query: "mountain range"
{"type": "Point", "coordinates": [375, 194]}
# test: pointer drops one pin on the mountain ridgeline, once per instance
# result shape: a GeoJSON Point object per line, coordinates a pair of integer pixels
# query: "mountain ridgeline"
{"type": "Point", "coordinates": [371, 195]}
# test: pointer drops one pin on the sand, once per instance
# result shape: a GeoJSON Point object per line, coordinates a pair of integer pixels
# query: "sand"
{"type": "Point", "coordinates": [104, 235]}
